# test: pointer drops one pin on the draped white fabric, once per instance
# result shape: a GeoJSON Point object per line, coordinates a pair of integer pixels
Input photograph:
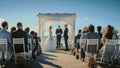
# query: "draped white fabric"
{"type": "Point", "coordinates": [46, 19]}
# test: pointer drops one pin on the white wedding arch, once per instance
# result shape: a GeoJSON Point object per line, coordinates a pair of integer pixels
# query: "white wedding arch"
{"type": "Point", "coordinates": [46, 19]}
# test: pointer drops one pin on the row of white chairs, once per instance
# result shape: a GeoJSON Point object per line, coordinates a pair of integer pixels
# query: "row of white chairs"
{"type": "Point", "coordinates": [92, 47]}
{"type": "Point", "coordinates": [4, 48]}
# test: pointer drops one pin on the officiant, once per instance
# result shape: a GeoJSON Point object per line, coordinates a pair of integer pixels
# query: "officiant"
{"type": "Point", "coordinates": [58, 33]}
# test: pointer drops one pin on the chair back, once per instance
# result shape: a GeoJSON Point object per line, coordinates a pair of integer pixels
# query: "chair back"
{"type": "Point", "coordinates": [19, 47]}
{"type": "Point", "coordinates": [3, 45]}
{"type": "Point", "coordinates": [77, 40]}
{"type": "Point", "coordinates": [83, 43]}
{"type": "Point", "coordinates": [109, 46]}
{"type": "Point", "coordinates": [30, 44]}
{"type": "Point", "coordinates": [4, 48]}
{"type": "Point", "coordinates": [18, 43]}
{"type": "Point", "coordinates": [92, 45]}
{"type": "Point", "coordinates": [118, 45]}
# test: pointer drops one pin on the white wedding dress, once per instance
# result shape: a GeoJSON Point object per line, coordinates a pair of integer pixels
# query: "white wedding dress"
{"type": "Point", "coordinates": [49, 44]}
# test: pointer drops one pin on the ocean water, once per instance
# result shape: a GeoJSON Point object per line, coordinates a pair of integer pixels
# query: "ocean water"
{"type": "Point", "coordinates": [62, 40]}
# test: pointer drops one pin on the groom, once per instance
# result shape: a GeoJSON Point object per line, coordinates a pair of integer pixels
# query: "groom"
{"type": "Point", "coordinates": [66, 37]}
{"type": "Point", "coordinates": [58, 33]}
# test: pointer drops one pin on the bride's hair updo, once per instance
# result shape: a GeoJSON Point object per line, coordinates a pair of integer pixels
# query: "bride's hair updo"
{"type": "Point", "coordinates": [50, 27]}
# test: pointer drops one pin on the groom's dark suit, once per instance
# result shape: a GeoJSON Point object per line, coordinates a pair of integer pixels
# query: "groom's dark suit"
{"type": "Point", "coordinates": [66, 37]}
{"type": "Point", "coordinates": [59, 33]}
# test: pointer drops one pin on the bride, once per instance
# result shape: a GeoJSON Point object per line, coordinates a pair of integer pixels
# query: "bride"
{"type": "Point", "coordinates": [49, 44]}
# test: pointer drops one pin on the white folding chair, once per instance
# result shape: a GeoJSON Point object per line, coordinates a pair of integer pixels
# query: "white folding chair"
{"type": "Point", "coordinates": [83, 46]}
{"type": "Point", "coordinates": [91, 48]}
{"type": "Point", "coordinates": [17, 41]}
{"type": "Point", "coordinates": [76, 50]}
{"type": "Point", "coordinates": [118, 45]}
{"type": "Point", "coordinates": [4, 51]}
{"type": "Point", "coordinates": [109, 49]}
{"type": "Point", "coordinates": [30, 47]}
{"type": "Point", "coordinates": [34, 43]}
{"type": "Point", "coordinates": [92, 45]}
{"type": "Point", "coordinates": [83, 43]}
{"type": "Point", "coordinates": [77, 41]}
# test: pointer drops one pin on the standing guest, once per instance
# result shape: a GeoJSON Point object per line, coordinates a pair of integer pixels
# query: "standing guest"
{"type": "Point", "coordinates": [66, 37]}
{"type": "Point", "coordinates": [4, 34]}
{"type": "Point", "coordinates": [19, 33]}
{"type": "Point", "coordinates": [13, 29]}
{"type": "Point", "coordinates": [58, 33]}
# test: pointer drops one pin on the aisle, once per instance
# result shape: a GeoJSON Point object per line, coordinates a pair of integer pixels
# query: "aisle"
{"type": "Point", "coordinates": [60, 59]}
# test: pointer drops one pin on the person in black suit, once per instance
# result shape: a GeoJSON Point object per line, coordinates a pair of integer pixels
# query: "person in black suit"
{"type": "Point", "coordinates": [66, 37]}
{"type": "Point", "coordinates": [58, 33]}
{"type": "Point", "coordinates": [20, 34]}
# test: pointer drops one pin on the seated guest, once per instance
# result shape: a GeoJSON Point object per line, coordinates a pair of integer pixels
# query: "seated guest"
{"type": "Point", "coordinates": [78, 36]}
{"type": "Point", "coordinates": [92, 35]}
{"type": "Point", "coordinates": [99, 28]}
{"type": "Point", "coordinates": [83, 36]}
{"type": "Point", "coordinates": [29, 36]}
{"type": "Point", "coordinates": [19, 33]}
{"type": "Point", "coordinates": [32, 33]}
{"type": "Point", "coordinates": [13, 29]}
{"type": "Point", "coordinates": [34, 44]}
{"type": "Point", "coordinates": [83, 46]}
{"type": "Point", "coordinates": [39, 50]}
{"type": "Point", "coordinates": [4, 34]}
{"type": "Point", "coordinates": [99, 32]}
{"type": "Point", "coordinates": [77, 45]}
{"type": "Point", "coordinates": [75, 42]}
{"type": "Point", "coordinates": [114, 33]}
{"type": "Point", "coordinates": [108, 34]}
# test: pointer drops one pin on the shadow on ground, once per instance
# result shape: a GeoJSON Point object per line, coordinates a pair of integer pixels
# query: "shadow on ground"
{"type": "Point", "coordinates": [37, 63]}
{"type": "Point", "coordinates": [44, 60]}
{"type": "Point", "coordinates": [26, 65]}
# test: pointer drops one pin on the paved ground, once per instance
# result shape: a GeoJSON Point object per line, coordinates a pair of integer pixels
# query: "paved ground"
{"type": "Point", "coordinates": [59, 59]}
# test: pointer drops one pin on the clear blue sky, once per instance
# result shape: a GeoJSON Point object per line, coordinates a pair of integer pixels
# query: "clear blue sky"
{"type": "Point", "coordinates": [97, 12]}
